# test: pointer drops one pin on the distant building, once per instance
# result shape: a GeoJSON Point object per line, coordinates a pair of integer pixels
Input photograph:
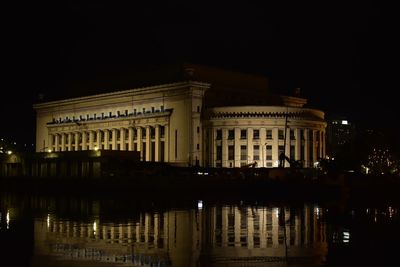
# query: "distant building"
{"type": "Point", "coordinates": [201, 116]}
{"type": "Point", "coordinates": [341, 133]}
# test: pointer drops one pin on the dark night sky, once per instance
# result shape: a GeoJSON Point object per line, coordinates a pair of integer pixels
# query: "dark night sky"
{"type": "Point", "coordinates": [341, 53]}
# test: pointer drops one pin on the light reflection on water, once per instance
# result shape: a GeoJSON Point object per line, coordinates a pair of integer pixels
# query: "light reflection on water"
{"type": "Point", "coordinates": [82, 232]}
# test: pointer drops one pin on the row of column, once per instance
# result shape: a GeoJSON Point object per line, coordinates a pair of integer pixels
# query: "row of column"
{"type": "Point", "coordinates": [314, 148]}
{"type": "Point", "coordinates": [100, 139]}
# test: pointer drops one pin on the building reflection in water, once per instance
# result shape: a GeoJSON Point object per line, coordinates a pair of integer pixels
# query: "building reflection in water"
{"type": "Point", "coordinates": [207, 236]}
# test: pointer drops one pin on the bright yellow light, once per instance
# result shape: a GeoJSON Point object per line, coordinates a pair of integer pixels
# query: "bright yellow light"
{"type": "Point", "coordinates": [9, 152]}
{"type": "Point", "coordinates": [94, 228]}
{"type": "Point", "coordinates": [49, 150]}
{"type": "Point", "coordinates": [96, 148]}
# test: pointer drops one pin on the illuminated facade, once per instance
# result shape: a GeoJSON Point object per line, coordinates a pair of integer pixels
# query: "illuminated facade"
{"type": "Point", "coordinates": [228, 121]}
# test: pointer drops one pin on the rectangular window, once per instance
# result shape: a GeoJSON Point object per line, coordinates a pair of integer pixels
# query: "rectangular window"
{"type": "Point", "coordinates": [219, 152]}
{"type": "Point", "coordinates": [269, 134]}
{"type": "Point", "coordinates": [302, 134]}
{"type": "Point", "coordinates": [219, 135]}
{"type": "Point", "coordinates": [231, 152]}
{"type": "Point", "coordinates": [198, 146]}
{"type": "Point", "coordinates": [280, 134]}
{"type": "Point", "coordinates": [243, 152]}
{"type": "Point", "coordinates": [231, 134]}
{"type": "Point", "coordinates": [256, 152]}
{"type": "Point", "coordinates": [243, 134]}
{"type": "Point", "coordinates": [198, 129]}
{"type": "Point", "coordinates": [198, 108]}
{"type": "Point", "coordinates": [256, 134]}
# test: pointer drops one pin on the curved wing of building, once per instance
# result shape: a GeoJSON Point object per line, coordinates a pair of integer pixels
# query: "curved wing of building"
{"type": "Point", "coordinates": [197, 121]}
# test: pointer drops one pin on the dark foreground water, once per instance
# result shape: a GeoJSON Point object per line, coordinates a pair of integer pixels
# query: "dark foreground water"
{"type": "Point", "coordinates": [145, 230]}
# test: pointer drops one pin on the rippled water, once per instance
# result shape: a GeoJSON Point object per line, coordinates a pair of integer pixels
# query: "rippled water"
{"type": "Point", "coordinates": [133, 231]}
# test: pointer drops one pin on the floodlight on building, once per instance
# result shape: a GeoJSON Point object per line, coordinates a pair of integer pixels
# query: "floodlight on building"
{"type": "Point", "coordinates": [49, 150]}
{"type": "Point", "coordinates": [344, 122]}
{"type": "Point", "coordinates": [96, 148]}
{"type": "Point", "coordinates": [9, 152]}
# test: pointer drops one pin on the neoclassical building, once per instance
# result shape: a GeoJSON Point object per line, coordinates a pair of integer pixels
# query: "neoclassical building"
{"type": "Point", "coordinates": [204, 116]}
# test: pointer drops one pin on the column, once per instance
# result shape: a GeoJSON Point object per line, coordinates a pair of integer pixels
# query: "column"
{"type": "Point", "coordinates": [106, 139]}
{"type": "Point", "coordinates": [237, 147]}
{"type": "Point", "coordinates": [69, 142]}
{"type": "Point", "coordinates": [321, 141]}
{"type": "Point", "coordinates": [213, 154]}
{"type": "Point", "coordinates": [324, 145]}
{"type": "Point", "coordinates": [148, 143]}
{"type": "Point", "coordinates": [114, 139]}
{"type": "Point", "coordinates": [130, 139]}
{"type": "Point", "coordinates": [224, 147]}
{"type": "Point", "coordinates": [157, 143]}
{"type": "Point", "coordinates": [263, 134]}
{"type": "Point", "coordinates": [166, 143]}
{"type": "Point", "coordinates": [250, 145]}
{"type": "Point", "coordinates": [122, 141]}
{"type": "Point", "coordinates": [298, 144]}
{"type": "Point", "coordinates": [98, 134]}
{"type": "Point", "coordinates": [306, 148]}
{"type": "Point", "coordinates": [287, 144]}
{"type": "Point", "coordinates": [91, 140]}
{"type": "Point", "coordinates": [314, 147]}
{"type": "Point", "coordinates": [57, 141]}
{"type": "Point", "coordinates": [84, 140]}
{"type": "Point", "coordinates": [63, 141]}
{"type": "Point", "coordinates": [76, 141]}
{"type": "Point", "coordinates": [50, 142]}
{"type": "Point", "coordinates": [275, 143]}
{"type": "Point", "coordinates": [139, 142]}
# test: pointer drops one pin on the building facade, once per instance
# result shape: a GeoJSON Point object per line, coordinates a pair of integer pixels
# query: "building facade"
{"type": "Point", "coordinates": [191, 122]}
